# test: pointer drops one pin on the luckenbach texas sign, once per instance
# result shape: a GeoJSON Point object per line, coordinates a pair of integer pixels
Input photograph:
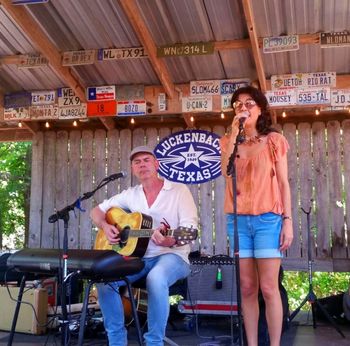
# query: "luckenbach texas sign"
{"type": "Point", "coordinates": [190, 157]}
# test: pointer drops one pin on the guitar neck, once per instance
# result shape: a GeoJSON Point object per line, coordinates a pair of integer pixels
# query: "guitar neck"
{"type": "Point", "coordinates": [147, 233]}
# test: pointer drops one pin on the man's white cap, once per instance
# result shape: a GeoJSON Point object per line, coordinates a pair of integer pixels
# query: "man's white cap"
{"type": "Point", "coordinates": [141, 149]}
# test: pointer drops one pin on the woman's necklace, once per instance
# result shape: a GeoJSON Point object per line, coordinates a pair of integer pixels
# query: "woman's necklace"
{"type": "Point", "coordinates": [252, 140]}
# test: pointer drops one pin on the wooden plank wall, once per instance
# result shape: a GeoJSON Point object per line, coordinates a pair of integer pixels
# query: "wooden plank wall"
{"type": "Point", "coordinates": [65, 165]}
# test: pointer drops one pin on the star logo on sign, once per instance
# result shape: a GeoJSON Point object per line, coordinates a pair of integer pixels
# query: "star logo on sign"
{"type": "Point", "coordinates": [191, 156]}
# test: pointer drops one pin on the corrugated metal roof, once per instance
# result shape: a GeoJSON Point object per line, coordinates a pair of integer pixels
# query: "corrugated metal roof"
{"type": "Point", "coordinates": [94, 24]}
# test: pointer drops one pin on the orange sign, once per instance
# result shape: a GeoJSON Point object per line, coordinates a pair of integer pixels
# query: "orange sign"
{"type": "Point", "coordinates": [101, 108]}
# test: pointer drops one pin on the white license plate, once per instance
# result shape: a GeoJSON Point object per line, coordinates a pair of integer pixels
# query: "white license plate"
{"type": "Point", "coordinates": [280, 43]}
{"type": "Point", "coordinates": [74, 112]}
{"type": "Point", "coordinates": [313, 96]}
{"type": "Point", "coordinates": [43, 112]}
{"type": "Point", "coordinates": [16, 113]}
{"type": "Point", "coordinates": [340, 98]}
{"type": "Point", "coordinates": [43, 97]}
{"type": "Point", "coordinates": [125, 108]}
{"type": "Point", "coordinates": [67, 98]}
{"type": "Point", "coordinates": [197, 104]}
{"type": "Point", "coordinates": [205, 87]}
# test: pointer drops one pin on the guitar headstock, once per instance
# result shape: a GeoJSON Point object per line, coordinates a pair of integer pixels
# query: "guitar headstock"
{"type": "Point", "coordinates": [185, 235]}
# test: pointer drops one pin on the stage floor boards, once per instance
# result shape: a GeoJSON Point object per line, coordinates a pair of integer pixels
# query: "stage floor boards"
{"type": "Point", "coordinates": [212, 330]}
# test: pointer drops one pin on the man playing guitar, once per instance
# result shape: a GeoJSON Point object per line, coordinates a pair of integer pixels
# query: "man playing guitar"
{"type": "Point", "coordinates": [169, 204]}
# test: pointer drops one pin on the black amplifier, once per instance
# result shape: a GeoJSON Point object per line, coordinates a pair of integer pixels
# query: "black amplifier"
{"type": "Point", "coordinates": [211, 287]}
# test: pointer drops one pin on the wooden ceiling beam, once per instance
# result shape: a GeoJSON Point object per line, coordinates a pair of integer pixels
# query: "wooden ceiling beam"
{"type": "Point", "coordinates": [249, 17]}
{"type": "Point", "coordinates": [218, 45]}
{"type": "Point", "coordinates": [10, 59]}
{"type": "Point", "coordinates": [132, 11]}
{"type": "Point", "coordinates": [108, 123]}
{"type": "Point", "coordinates": [32, 126]}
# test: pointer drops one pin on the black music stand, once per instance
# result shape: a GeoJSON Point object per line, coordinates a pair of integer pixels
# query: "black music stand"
{"type": "Point", "coordinates": [311, 296]}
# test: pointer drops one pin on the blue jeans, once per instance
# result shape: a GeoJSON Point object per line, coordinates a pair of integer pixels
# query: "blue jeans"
{"type": "Point", "coordinates": [258, 235]}
{"type": "Point", "coordinates": [162, 271]}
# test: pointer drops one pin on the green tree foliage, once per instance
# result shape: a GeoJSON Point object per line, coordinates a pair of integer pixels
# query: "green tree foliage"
{"type": "Point", "coordinates": [324, 284]}
{"type": "Point", "coordinates": [14, 192]}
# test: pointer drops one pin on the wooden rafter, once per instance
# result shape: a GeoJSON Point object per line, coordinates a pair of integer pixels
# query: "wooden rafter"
{"type": "Point", "coordinates": [32, 126]}
{"type": "Point", "coordinates": [218, 46]}
{"type": "Point", "coordinates": [249, 17]}
{"type": "Point", "coordinates": [108, 123]}
{"type": "Point", "coordinates": [133, 13]}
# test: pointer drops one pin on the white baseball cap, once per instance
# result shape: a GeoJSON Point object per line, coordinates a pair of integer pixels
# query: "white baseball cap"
{"type": "Point", "coordinates": [141, 149]}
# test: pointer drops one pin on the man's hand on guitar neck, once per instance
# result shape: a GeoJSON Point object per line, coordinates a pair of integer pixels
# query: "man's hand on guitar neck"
{"type": "Point", "coordinates": [159, 239]}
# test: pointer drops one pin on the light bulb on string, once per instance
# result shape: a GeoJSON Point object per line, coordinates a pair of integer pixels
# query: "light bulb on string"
{"type": "Point", "coordinates": [192, 118]}
{"type": "Point", "coordinates": [47, 124]}
{"type": "Point", "coordinates": [284, 114]}
{"type": "Point", "coordinates": [20, 124]}
{"type": "Point", "coordinates": [222, 115]}
{"type": "Point", "coordinates": [75, 123]}
{"type": "Point", "coordinates": [132, 121]}
{"type": "Point", "coordinates": [317, 111]}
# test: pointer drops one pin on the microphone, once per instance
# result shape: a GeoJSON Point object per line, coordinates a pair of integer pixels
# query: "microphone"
{"type": "Point", "coordinates": [242, 120]}
{"type": "Point", "coordinates": [244, 116]}
{"type": "Point", "coordinates": [218, 282]}
{"type": "Point", "coordinates": [115, 176]}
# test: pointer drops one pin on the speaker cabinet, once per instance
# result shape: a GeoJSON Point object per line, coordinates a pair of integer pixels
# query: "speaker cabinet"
{"type": "Point", "coordinates": [207, 294]}
{"type": "Point", "coordinates": [26, 322]}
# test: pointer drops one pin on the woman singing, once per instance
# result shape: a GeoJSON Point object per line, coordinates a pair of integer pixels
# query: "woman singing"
{"type": "Point", "coordinates": [264, 220]}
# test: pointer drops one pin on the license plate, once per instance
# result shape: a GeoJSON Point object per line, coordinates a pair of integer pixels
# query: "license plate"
{"type": "Point", "coordinates": [21, 113]}
{"type": "Point", "coordinates": [101, 93]}
{"type": "Point", "coordinates": [340, 98]}
{"type": "Point", "coordinates": [229, 86]}
{"type": "Point", "coordinates": [43, 112]}
{"type": "Point", "coordinates": [313, 96]}
{"type": "Point", "coordinates": [67, 98]}
{"type": "Point", "coordinates": [125, 108]}
{"type": "Point", "coordinates": [205, 87]}
{"type": "Point", "coordinates": [79, 57]}
{"type": "Point", "coordinates": [101, 108]}
{"type": "Point", "coordinates": [121, 53]}
{"type": "Point", "coordinates": [197, 104]}
{"type": "Point", "coordinates": [43, 97]}
{"type": "Point", "coordinates": [280, 98]}
{"type": "Point", "coordinates": [280, 43]}
{"type": "Point", "coordinates": [73, 112]}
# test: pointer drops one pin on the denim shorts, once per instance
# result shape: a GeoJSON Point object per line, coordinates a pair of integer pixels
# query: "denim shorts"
{"type": "Point", "coordinates": [258, 235]}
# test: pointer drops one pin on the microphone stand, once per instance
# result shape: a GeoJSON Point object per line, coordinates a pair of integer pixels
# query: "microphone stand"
{"type": "Point", "coordinates": [63, 276]}
{"type": "Point", "coordinates": [231, 171]}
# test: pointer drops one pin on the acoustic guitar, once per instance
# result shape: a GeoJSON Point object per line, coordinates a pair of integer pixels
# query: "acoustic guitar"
{"type": "Point", "coordinates": [135, 233]}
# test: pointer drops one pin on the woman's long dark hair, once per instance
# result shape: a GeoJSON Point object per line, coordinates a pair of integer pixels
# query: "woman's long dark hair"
{"type": "Point", "coordinates": [264, 122]}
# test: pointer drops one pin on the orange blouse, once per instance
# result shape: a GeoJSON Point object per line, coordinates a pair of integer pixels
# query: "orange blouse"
{"type": "Point", "coordinates": [257, 186]}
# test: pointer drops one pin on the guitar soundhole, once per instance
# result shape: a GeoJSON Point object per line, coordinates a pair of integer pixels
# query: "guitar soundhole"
{"type": "Point", "coordinates": [124, 236]}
